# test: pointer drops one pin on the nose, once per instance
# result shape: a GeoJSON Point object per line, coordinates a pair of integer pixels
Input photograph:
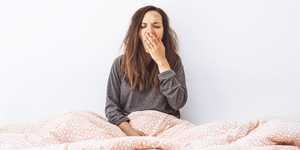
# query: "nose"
{"type": "Point", "coordinates": [150, 30]}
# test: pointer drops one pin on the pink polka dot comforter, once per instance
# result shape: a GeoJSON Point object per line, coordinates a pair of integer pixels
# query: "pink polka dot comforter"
{"type": "Point", "coordinates": [81, 129]}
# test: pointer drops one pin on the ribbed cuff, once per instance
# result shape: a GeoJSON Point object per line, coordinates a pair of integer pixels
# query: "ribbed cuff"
{"type": "Point", "coordinates": [122, 120]}
{"type": "Point", "coordinates": [166, 74]}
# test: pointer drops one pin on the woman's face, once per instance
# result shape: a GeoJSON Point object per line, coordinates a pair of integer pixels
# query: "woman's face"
{"type": "Point", "coordinates": [152, 23]}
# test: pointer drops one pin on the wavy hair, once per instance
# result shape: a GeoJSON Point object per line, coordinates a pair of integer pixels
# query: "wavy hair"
{"type": "Point", "coordinates": [139, 74]}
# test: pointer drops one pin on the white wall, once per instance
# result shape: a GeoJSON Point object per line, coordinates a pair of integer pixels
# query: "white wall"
{"type": "Point", "coordinates": [241, 58]}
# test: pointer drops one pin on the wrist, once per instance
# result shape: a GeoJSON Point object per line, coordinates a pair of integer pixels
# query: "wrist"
{"type": "Point", "coordinates": [163, 66]}
{"type": "Point", "coordinates": [125, 127]}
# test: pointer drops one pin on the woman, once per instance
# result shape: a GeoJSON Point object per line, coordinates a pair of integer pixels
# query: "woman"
{"type": "Point", "coordinates": [149, 75]}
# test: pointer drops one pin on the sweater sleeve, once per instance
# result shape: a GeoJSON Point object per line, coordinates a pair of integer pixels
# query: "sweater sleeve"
{"type": "Point", "coordinates": [173, 86]}
{"type": "Point", "coordinates": [113, 111]}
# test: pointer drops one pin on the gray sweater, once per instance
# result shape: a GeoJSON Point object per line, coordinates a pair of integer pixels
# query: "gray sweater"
{"type": "Point", "coordinates": [121, 100]}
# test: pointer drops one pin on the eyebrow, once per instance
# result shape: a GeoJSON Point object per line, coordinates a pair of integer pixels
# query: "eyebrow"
{"type": "Point", "coordinates": [153, 23]}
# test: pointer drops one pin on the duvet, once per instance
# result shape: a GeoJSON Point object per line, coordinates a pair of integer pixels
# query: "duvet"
{"type": "Point", "coordinates": [82, 129]}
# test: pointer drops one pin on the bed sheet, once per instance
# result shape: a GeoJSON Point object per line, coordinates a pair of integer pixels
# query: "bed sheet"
{"type": "Point", "coordinates": [83, 129]}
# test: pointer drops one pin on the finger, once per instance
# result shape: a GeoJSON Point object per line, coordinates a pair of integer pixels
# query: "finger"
{"type": "Point", "coordinates": [147, 48]}
{"type": "Point", "coordinates": [149, 44]}
{"type": "Point", "coordinates": [142, 134]}
{"type": "Point", "coordinates": [160, 41]}
{"type": "Point", "coordinates": [151, 39]}
{"type": "Point", "coordinates": [155, 39]}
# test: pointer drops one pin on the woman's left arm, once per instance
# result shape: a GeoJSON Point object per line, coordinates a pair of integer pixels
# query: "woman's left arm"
{"type": "Point", "coordinates": [173, 86]}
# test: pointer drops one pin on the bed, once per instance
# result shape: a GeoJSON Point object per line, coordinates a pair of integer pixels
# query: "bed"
{"type": "Point", "coordinates": [83, 129]}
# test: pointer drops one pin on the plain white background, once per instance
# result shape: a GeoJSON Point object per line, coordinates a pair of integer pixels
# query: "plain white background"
{"type": "Point", "coordinates": [241, 58]}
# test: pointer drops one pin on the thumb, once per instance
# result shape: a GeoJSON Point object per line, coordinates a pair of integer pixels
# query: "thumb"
{"type": "Point", "coordinates": [160, 41]}
{"type": "Point", "coordinates": [141, 133]}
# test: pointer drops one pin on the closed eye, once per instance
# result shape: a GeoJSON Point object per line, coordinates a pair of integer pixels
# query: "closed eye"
{"type": "Point", "coordinates": [145, 26]}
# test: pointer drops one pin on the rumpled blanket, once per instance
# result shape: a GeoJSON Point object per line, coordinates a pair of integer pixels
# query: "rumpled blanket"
{"type": "Point", "coordinates": [82, 129]}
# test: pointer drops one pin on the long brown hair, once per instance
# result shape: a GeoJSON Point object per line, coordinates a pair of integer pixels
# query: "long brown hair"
{"type": "Point", "coordinates": [137, 73]}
